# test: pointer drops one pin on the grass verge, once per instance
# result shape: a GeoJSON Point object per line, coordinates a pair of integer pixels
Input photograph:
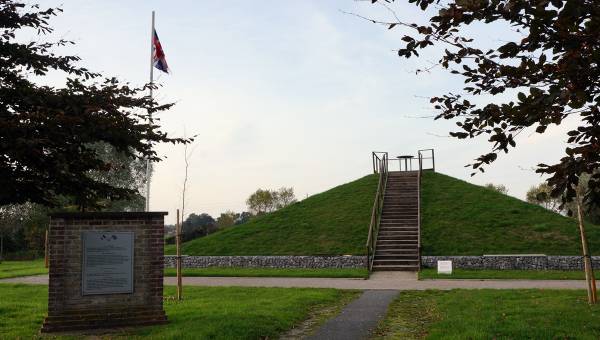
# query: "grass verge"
{"type": "Point", "coordinates": [491, 314]}
{"type": "Point", "coordinates": [270, 272]}
{"type": "Point", "coordinates": [10, 269]}
{"type": "Point", "coordinates": [205, 313]}
{"type": "Point", "coordinates": [430, 273]}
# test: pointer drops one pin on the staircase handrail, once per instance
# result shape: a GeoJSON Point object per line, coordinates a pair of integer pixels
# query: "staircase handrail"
{"type": "Point", "coordinates": [378, 157]}
{"type": "Point", "coordinates": [421, 158]}
{"type": "Point", "coordinates": [380, 165]}
{"type": "Point", "coordinates": [419, 214]}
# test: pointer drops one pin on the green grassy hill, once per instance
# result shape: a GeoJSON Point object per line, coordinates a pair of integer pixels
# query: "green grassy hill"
{"type": "Point", "coordinates": [459, 218]}
{"type": "Point", "coordinates": [334, 222]}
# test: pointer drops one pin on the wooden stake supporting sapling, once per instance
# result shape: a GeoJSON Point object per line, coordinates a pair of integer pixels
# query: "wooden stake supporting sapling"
{"type": "Point", "coordinates": [178, 261]}
{"type": "Point", "coordinates": [587, 259]}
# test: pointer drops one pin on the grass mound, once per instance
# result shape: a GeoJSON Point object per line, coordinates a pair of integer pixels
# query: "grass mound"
{"type": "Point", "coordinates": [334, 222]}
{"type": "Point", "coordinates": [459, 218]}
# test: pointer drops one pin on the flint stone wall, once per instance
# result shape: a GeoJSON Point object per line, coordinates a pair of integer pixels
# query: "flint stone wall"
{"type": "Point", "coordinates": [522, 262]}
{"type": "Point", "coordinates": [269, 261]}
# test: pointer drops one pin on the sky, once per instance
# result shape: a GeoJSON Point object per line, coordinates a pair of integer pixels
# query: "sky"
{"type": "Point", "coordinates": [286, 93]}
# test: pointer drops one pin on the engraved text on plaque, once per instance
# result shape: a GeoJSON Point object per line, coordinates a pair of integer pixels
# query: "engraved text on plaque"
{"type": "Point", "coordinates": [107, 262]}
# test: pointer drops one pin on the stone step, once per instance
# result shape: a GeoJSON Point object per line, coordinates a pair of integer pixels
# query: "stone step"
{"type": "Point", "coordinates": [399, 212]}
{"type": "Point", "coordinates": [404, 208]}
{"type": "Point", "coordinates": [398, 247]}
{"type": "Point", "coordinates": [413, 230]}
{"type": "Point", "coordinates": [410, 195]}
{"type": "Point", "coordinates": [394, 237]}
{"type": "Point", "coordinates": [408, 256]}
{"type": "Point", "coordinates": [395, 268]}
{"type": "Point", "coordinates": [398, 253]}
{"type": "Point", "coordinates": [399, 225]}
{"type": "Point", "coordinates": [398, 220]}
{"type": "Point", "coordinates": [377, 261]}
{"type": "Point", "coordinates": [396, 241]}
{"type": "Point", "coordinates": [391, 235]}
{"type": "Point", "coordinates": [401, 208]}
{"type": "Point", "coordinates": [393, 216]}
{"type": "Point", "coordinates": [398, 216]}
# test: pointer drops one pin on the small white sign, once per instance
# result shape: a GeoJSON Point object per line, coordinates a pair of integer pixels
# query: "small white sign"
{"type": "Point", "coordinates": [444, 267]}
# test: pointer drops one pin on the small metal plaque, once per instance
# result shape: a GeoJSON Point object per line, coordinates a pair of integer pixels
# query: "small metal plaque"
{"type": "Point", "coordinates": [444, 267]}
{"type": "Point", "coordinates": [107, 262]}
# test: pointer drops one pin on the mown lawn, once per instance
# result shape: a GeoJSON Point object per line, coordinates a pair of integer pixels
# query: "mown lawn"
{"type": "Point", "coordinates": [10, 269]}
{"type": "Point", "coordinates": [334, 222]}
{"type": "Point", "coordinates": [206, 312]}
{"type": "Point", "coordinates": [459, 218]}
{"type": "Point", "coordinates": [270, 272]}
{"type": "Point", "coordinates": [491, 314]}
{"type": "Point", "coordinates": [430, 273]}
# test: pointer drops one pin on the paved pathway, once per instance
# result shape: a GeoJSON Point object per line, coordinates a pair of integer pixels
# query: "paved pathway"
{"type": "Point", "coordinates": [379, 280]}
{"type": "Point", "coordinates": [359, 318]}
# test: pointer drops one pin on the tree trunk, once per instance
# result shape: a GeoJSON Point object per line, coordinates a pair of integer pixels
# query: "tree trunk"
{"type": "Point", "coordinates": [587, 259]}
{"type": "Point", "coordinates": [46, 250]}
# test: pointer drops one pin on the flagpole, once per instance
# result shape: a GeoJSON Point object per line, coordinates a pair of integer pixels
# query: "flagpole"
{"type": "Point", "coordinates": [150, 112]}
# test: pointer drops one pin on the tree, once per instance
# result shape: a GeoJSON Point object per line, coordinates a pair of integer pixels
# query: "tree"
{"type": "Point", "coordinates": [265, 201]}
{"type": "Point", "coordinates": [227, 219]}
{"type": "Point", "coordinates": [501, 188]}
{"type": "Point", "coordinates": [261, 202]}
{"type": "Point", "coordinates": [48, 134]}
{"type": "Point", "coordinates": [590, 211]}
{"type": "Point", "coordinates": [9, 221]}
{"type": "Point", "coordinates": [125, 172]}
{"type": "Point", "coordinates": [541, 195]}
{"type": "Point", "coordinates": [22, 228]}
{"type": "Point", "coordinates": [285, 196]}
{"type": "Point", "coordinates": [243, 217]}
{"type": "Point", "coordinates": [550, 72]}
{"type": "Point", "coordinates": [197, 226]}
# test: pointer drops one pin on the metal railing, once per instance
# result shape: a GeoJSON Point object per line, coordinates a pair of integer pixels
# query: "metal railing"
{"type": "Point", "coordinates": [380, 166]}
{"type": "Point", "coordinates": [380, 161]}
{"type": "Point", "coordinates": [422, 158]}
{"type": "Point", "coordinates": [425, 159]}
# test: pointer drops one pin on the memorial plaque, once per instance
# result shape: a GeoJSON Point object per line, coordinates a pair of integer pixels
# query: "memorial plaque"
{"type": "Point", "coordinates": [444, 267]}
{"type": "Point", "coordinates": [107, 262]}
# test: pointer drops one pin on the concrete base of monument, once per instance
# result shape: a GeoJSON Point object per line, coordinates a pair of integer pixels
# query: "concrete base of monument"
{"type": "Point", "coordinates": [102, 320]}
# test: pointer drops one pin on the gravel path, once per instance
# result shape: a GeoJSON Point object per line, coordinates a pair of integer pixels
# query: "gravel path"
{"type": "Point", "coordinates": [378, 281]}
{"type": "Point", "coordinates": [359, 318]}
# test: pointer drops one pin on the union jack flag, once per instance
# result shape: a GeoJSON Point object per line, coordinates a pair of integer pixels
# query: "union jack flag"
{"type": "Point", "coordinates": [158, 57]}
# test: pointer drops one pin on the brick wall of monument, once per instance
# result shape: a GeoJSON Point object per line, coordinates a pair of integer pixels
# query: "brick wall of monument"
{"type": "Point", "coordinates": [69, 309]}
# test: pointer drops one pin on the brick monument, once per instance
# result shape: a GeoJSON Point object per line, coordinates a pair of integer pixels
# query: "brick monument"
{"type": "Point", "coordinates": [106, 270]}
